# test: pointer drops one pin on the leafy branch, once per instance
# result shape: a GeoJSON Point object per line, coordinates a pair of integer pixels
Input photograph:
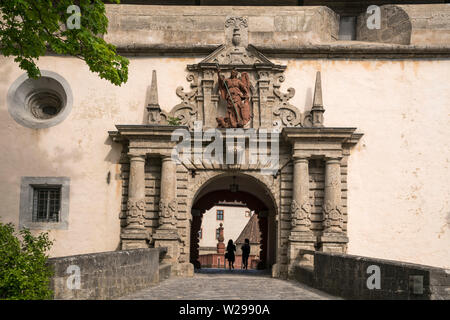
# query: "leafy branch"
{"type": "Point", "coordinates": [30, 28]}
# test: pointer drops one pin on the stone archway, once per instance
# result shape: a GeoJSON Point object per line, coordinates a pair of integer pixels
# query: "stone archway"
{"type": "Point", "coordinates": [307, 185]}
{"type": "Point", "coordinates": [252, 192]}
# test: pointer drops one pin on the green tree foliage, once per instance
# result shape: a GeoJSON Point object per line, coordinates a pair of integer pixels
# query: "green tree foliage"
{"type": "Point", "coordinates": [29, 28]}
{"type": "Point", "coordinates": [23, 270]}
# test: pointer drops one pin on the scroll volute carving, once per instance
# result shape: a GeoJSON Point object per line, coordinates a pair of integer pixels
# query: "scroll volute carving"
{"type": "Point", "coordinates": [287, 114]}
{"type": "Point", "coordinates": [186, 111]}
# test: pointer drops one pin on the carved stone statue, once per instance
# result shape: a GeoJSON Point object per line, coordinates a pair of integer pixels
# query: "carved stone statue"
{"type": "Point", "coordinates": [236, 92]}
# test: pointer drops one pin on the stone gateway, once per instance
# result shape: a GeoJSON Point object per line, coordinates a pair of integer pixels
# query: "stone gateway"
{"type": "Point", "coordinates": [304, 143]}
{"type": "Point", "coordinates": [334, 134]}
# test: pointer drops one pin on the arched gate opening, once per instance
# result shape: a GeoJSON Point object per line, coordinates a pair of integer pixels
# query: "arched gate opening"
{"type": "Point", "coordinates": [237, 187]}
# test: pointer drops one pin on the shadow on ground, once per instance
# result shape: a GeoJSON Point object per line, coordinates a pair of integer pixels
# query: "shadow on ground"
{"type": "Point", "coordinates": [241, 272]}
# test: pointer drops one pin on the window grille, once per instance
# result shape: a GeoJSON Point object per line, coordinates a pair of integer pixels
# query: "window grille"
{"type": "Point", "coordinates": [46, 204]}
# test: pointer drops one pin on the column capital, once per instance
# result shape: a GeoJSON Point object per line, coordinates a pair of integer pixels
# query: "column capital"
{"type": "Point", "coordinates": [333, 159]}
{"type": "Point", "coordinates": [297, 159]}
{"type": "Point", "coordinates": [133, 156]}
{"type": "Point", "coordinates": [167, 158]}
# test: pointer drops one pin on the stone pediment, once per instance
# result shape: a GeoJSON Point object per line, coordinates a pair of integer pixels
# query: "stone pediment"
{"type": "Point", "coordinates": [238, 57]}
{"type": "Point", "coordinates": [266, 104]}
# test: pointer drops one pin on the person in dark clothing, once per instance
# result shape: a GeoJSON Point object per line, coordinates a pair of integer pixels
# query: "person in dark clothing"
{"type": "Point", "coordinates": [231, 248]}
{"type": "Point", "coordinates": [245, 253]}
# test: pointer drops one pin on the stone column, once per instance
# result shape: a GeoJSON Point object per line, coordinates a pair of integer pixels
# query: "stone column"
{"type": "Point", "coordinates": [333, 238]}
{"type": "Point", "coordinates": [134, 235]}
{"type": "Point", "coordinates": [168, 201]}
{"type": "Point", "coordinates": [167, 235]}
{"type": "Point", "coordinates": [301, 236]}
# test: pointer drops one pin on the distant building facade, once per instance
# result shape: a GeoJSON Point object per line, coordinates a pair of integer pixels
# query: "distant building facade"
{"type": "Point", "coordinates": [233, 216]}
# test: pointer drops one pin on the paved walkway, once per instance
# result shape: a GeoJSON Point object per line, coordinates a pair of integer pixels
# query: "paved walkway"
{"type": "Point", "coordinates": [219, 284]}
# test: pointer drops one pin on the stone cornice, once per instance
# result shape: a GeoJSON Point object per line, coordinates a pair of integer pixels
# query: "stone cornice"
{"type": "Point", "coordinates": [360, 50]}
{"type": "Point", "coordinates": [321, 142]}
{"type": "Point", "coordinates": [356, 50]}
{"type": "Point", "coordinates": [164, 132]}
{"type": "Point", "coordinates": [342, 135]}
{"type": "Point", "coordinates": [312, 32]}
{"type": "Point", "coordinates": [127, 132]}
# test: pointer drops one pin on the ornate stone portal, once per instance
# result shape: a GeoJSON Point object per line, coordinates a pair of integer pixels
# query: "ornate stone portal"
{"type": "Point", "coordinates": [308, 188]}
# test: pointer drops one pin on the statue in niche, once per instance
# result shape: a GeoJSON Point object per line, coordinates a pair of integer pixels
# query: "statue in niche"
{"type": "Point", "coordinates": [236, 92]}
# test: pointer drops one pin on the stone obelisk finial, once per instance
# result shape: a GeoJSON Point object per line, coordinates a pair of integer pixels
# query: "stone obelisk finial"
{"type": "Point", "coordinates": [153, 107]}
{"type": "Point", "coordinates": [317, 109]}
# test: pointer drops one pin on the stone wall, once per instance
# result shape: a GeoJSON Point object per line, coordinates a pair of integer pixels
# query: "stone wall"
{"type": "Point", "coordinates": [316, 195]}
{"type": "Point", "coordinates": [152, 199]}
{"type": "Point", "coordinates": [172, 28]}
{"type": "Point", "coordinates": [308, 31]}
{"type": "Point", "coordinates": [347, 276]}
{"type": "Point", "coordinates": [106, 275]}
{"type": "Point", "coordinates": [396, 186]}
{"type": "Point", "coordinates": [349, 8]}
{"type": "Point", "coordinates": [408, 24]}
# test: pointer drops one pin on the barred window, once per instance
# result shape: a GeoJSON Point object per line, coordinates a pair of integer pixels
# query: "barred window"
{"type": "Point", "coordinates": [46, 204]}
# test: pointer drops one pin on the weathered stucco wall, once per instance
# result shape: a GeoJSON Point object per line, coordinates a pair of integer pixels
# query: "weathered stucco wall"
{"type": "Point", "coordinates": [408, 24]}
{"type": "Point", "coordinates": [79, 147]}
{"type": "Point", "coordinates": [398, 197]}
{"type": "Point", "coordinates": [188, 28]}
{"type": "Point", "coordinates": [398, 173]}
{"type": "Point", "coordinates": [198, 29]}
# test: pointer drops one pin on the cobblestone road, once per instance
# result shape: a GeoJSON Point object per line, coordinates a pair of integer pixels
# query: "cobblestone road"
{"type": "Point", "coordinates": [229, 285]}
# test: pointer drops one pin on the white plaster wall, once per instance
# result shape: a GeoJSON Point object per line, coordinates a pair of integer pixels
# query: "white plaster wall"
{"type": "Point", "coordinates": [233, 222]}
{"type": "Point", "coordinates": [398, 173]}
{"type": "Point", "coordinates": [79, 147]}
{"type": "Point", "coordinates": [398, 180]}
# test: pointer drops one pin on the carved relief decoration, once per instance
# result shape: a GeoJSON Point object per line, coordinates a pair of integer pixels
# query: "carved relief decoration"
{"type": "Point", "coordinates": [167, 210]}
{"type": "Point", "coordinates": [301, 214]}
{"type": "Point", "coordinates": [203, 177]}
{"type": "Point", "coordinates": [333, 218]}
{"type": "Point", "coordinates": [135, 213]}
{"type": "Point", "coordinates": [186, 111]}
{"type": "Point", "coordinates": [289, 116]}
{"type": "Point", "coordinates": [270, 105]}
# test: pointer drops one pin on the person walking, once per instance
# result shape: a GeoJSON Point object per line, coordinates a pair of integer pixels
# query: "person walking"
{"type": "Point", "coordinates": [231, 248]}
{"type": "Point", "coordinates": [245, 254]}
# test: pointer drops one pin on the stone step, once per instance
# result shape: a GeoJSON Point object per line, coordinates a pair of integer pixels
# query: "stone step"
{"type": "Point", "coordinates": [164, 271]}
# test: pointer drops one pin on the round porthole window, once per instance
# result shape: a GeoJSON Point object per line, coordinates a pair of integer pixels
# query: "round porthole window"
{"type": "Point", "coordinates": [40, 103]}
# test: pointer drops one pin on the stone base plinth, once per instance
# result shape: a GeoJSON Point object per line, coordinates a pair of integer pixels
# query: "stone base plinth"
{"type": "Point", "coordinates": [221, 248]}
{"type": "Point", "coordinates": [171, 240]}
{"type": "Point", "coordinates": [279, 271]}
{"type": "Point", "coordinates": [185, 269]}
{"type": "Point", "coordinates": [298, 241]}
{"type": "Point", "coordinates": [134, 239]}
{"type": "Point", "coordinates": [333, 242]}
